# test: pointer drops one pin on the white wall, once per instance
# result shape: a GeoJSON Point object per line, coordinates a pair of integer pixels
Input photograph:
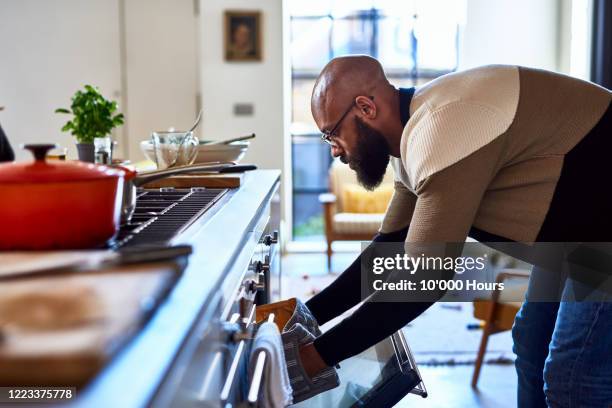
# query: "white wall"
{"type": "Point", "coordinates": [160, 68]}
{"type": "Point", "coordinates": [260, 83]}
{"type": "Point", "coordinates": [581, 27]}
{"type": "Point", "coordinates": [549, 34]}
{"type": "Point", "coordinates": [52, 48]}
{"type": "Point", "coordinates": [49, 50]}
{"type": "Point", "coordinates": [521, 32]}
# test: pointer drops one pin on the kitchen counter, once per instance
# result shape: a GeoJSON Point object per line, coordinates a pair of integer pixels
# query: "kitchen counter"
{"type": "Point", "coordinates": [152, 359]}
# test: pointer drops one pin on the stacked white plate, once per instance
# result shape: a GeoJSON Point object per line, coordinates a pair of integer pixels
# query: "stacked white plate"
{"type": "Point", "coordinates": [232, 152]}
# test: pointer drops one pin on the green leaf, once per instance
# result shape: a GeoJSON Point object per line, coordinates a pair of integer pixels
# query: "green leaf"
{"type": "Point", "coordinates": [93, 115]}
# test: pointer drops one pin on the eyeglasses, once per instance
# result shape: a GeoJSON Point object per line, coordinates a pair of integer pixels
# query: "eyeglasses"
{"type": "Point", "coordinates": [329, 136]}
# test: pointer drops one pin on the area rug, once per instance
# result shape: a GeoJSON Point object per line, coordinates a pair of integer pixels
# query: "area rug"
{"type": "Point", "coordinates": [440, 336]}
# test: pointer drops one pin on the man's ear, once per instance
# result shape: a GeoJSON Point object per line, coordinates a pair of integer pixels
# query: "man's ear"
{"type": "Point", "coordinates": [366, 107]}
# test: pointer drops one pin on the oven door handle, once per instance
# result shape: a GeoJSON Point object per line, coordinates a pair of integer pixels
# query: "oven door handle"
{"type": "Point", "coordinates": [207, 381]}
{"type": "Point", "coordinates": [257, 377]}
{"type": "Point", "coordinates": [236, 334]}
{"type": "Point", "coordinates": [231, 376]}
{"type": "Point", "coordinates": [258, 372]}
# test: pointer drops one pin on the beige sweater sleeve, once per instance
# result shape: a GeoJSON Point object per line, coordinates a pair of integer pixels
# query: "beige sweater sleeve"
{"type": "Point", "coordinates": [399, 211]}
{"type": "Point", "coordinates": [449, 200]}
{"type": "Point", "coordinates": [446, 203]}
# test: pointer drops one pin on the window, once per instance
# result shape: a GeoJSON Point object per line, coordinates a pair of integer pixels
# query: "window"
{"type": "Point", "coordinates": [415, 41]}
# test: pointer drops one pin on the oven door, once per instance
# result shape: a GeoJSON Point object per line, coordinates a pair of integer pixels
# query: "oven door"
{"type": "Point", "coordinates": [379, 377]}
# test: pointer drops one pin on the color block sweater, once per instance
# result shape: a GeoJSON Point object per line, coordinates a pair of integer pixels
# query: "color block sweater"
{"type": "Point", "coordinates": [499, 153]}
{"type": "Point", "coordinates": [502, 153]}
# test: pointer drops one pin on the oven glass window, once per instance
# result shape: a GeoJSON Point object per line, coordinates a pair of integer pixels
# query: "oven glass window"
{"type": "Point", "coordinates": [372, 377]}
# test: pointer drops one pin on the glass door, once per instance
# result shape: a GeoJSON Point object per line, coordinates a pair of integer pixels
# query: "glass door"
{"type": "Point", "coordinates": [414, 42]}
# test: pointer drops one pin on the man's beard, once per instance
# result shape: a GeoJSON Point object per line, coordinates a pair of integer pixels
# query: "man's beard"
{"type": "Point", "coordinates": [371, 156]}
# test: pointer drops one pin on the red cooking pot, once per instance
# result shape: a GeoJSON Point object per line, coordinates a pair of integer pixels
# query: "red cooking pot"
{"type": "Point", "coordinates": [58, 204]}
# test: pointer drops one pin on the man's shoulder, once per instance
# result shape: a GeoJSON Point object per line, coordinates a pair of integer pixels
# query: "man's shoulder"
{"type": "Point", "coordinates": [455, 115]}
{"type": "Point", "coordinates": [489, 85]}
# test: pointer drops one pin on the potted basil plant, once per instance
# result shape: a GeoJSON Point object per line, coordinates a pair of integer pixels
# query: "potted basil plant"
{"type": "Point", "coordinates": [93, 116]}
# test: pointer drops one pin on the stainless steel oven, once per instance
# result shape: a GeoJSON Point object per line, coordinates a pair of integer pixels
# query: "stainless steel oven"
{"type": "Point", "coordinates": [379, 377]}
{"type": "Point", "coordinates": [217, 373]}
{"type": "Point", "coordinates": [210, 369]}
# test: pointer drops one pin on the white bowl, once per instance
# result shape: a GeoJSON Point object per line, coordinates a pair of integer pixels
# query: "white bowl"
{"type": "Point", "coordinates": [232, 152]}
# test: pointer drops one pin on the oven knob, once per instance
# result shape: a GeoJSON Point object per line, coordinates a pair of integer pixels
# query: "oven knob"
{"type": "Point", "coordinates": [271, 238]}
{"type": "Point", "coordinates": [232, 332]}
{"type": "Point", "coordinates": [261, 266]}
{"type": "Point", "coordinates": [253, 286]}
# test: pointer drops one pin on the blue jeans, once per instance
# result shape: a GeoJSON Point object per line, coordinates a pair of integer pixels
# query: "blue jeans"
{"type": "Point", "coordinates": [564, 352]}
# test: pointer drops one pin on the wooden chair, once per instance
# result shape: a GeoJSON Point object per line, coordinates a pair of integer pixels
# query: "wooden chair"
{"type": "Point", "coordinates": [341, 225]}
{"type": "Point", "coordinates": [499, 312]}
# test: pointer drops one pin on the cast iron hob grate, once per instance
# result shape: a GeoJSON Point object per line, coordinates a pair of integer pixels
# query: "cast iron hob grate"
{"type": "Point", "coordinates": [162, 214]}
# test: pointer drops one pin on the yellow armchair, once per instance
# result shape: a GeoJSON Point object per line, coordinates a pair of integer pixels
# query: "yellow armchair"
{"type": "Point", "coordinates": [350, 212]}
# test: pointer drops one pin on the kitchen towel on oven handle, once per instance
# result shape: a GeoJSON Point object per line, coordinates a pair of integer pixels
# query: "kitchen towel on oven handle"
{"type": "Point", "coordinates": [287, 313]}
{"type": "Point", "coordinates": [270, 384]}
{"type": "Point", "coordinates": [297, 326]}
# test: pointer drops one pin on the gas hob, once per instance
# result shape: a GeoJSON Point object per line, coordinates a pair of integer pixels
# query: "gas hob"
{"type": "Point", "coordinates": [162, 214]}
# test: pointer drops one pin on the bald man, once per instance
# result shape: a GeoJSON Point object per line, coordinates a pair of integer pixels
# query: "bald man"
{"type": "Point", "coordinates": [498, 153]}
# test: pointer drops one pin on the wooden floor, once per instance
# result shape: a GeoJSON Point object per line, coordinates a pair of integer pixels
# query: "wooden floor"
{"type": "Point", "coordinates": [448, 386]}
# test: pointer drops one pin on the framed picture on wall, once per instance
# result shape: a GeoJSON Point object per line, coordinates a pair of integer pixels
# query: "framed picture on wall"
{"type": "Point", "coordinates": [243, 35]}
